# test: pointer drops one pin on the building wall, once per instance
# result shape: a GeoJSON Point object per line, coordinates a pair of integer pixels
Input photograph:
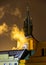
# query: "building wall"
{"type": "Point", "coordinates": [40, 46]}
{"type": "Point", "coordinates": [37, 58]}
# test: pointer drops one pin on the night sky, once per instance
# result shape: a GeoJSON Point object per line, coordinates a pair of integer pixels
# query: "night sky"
{"type": "Point", "coordinates": [14, 12]}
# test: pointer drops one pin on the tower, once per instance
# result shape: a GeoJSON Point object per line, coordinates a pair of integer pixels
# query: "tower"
{"type": "Point", "coordinates": [28, 28]}
{"type": "Point", "coordinates": [28, 24]}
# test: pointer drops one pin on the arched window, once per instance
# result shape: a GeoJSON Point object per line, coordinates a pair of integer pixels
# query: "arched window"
{"type": "Point", "coordinates": [42, 51]}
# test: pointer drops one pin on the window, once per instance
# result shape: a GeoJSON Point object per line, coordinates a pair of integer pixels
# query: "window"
{"type": "Point", "coordinates": [45, 52]}
{"type": "Point", "coordinates": [10, 63]}
{"type": "Point", "coordinates": [42, 51]}
{"type": "Point", "coordinates": [15, 64]}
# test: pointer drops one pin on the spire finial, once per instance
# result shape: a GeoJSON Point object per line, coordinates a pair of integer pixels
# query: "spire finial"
{"type": "Point", "coordinates": [27, 10]}
{"type": "Point", "coordinates": [27, 5]}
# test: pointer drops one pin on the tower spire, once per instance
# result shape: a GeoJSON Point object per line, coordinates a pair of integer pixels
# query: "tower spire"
{"type": "Point", "coordinates": [28, 24]}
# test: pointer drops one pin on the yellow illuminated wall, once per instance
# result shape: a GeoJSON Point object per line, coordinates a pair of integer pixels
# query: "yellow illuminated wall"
{"type": "Point", "coordinates": [32, 44]}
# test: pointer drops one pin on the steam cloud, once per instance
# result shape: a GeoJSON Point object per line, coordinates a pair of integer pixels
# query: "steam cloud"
{"type": "Point", "coordinates": [3, 28]}
{"type": "Point", "coordinates": [19, 36]}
